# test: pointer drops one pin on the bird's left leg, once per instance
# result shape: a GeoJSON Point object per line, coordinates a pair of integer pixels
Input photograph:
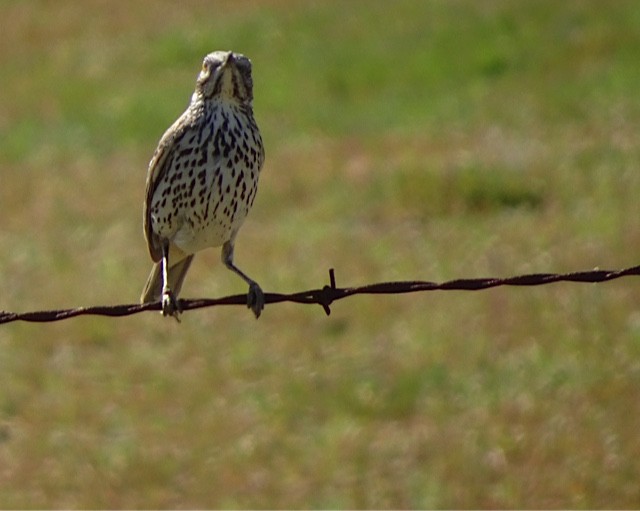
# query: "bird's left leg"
{"type": "Point", "coordinates": [255, 296]}
{"type": "Point", "coordinates": [170, 306]}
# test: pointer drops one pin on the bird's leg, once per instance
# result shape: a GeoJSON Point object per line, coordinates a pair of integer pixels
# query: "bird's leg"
{"type": "Point", "coordinates": [170, 306]}
{"type": "Point", "coordinates": [255, 296]}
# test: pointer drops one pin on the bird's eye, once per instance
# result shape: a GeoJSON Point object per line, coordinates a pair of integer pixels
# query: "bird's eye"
{"type": "Point", "coordinates": [210, 67]}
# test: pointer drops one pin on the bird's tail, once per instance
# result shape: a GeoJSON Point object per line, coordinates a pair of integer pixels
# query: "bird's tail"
{"type": "Point", "coordinates": [153, 288]}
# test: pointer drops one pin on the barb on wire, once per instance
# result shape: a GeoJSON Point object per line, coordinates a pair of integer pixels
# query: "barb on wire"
{"type": "Point", "coordinates": [329, 294]}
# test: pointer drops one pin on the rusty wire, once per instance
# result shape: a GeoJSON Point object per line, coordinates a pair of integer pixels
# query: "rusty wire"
{"type": "Point", "coordinates": [328, 294]}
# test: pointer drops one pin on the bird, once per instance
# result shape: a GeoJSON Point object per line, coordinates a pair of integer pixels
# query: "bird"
{"type": "Point", "coordinates": [202, 180]}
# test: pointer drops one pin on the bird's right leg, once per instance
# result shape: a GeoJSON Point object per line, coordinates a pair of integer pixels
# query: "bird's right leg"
{"type": "Point", "coordinates": [255, 296]}
{"type": "Point", "coordinates": [170, 306]}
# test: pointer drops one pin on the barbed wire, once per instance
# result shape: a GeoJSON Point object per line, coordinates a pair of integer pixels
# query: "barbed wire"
{"type": "Point", "coordinates": [328, 294]}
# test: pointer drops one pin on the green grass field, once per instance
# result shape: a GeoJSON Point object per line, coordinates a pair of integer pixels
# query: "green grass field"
{"type": "Point", "coordinates": [405, 140]}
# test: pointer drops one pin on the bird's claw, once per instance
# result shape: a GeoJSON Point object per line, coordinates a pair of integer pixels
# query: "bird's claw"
{"type": "Point", "coordinates": [255, 299]}
{"type": "Point", "coordinates": [170, 306]}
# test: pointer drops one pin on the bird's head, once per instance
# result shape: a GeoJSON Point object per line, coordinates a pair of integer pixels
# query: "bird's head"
{"type": "Point", "coordinates": [226, 75]}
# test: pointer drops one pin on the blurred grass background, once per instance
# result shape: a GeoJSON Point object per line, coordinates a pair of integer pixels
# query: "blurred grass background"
{"type": "Point", "coordinates": [405, 140]}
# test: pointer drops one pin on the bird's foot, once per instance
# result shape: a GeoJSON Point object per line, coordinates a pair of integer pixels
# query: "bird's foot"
{"type": "Point", "coordinates": [255, 299]}
{"type": "Point", "coordinates": [170, 306]}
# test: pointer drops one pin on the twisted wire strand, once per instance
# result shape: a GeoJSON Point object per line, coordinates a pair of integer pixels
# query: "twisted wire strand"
{"type": "Point", "coordinates": [328, 294]}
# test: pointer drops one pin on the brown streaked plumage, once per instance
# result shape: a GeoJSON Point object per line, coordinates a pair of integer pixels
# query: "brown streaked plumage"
{"type": "Point", "coordinates": [202, 180]}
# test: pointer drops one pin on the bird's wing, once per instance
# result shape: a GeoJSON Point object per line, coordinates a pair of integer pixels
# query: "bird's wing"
{"type": "Point", "coordinates": [170, 142]}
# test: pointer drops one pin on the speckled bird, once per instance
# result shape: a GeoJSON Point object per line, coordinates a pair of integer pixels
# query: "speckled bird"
{"type": "Point", "coordinates": [202, 180]}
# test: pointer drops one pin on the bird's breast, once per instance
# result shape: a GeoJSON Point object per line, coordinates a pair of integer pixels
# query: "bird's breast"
{"type": "Point", "coordinates": [211, 181]}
